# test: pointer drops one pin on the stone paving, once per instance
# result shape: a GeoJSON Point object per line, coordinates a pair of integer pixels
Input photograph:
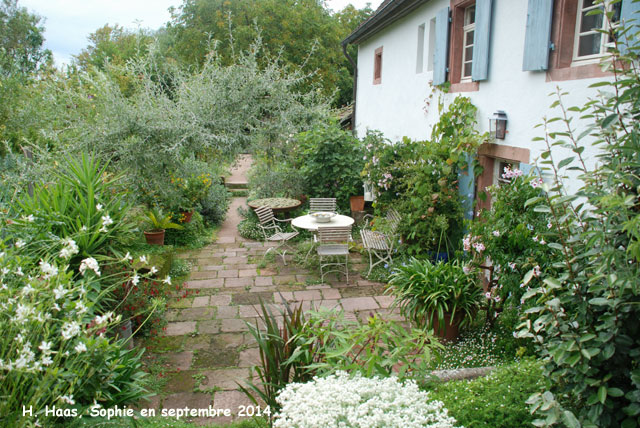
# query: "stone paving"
{"type": "Point", "coordinates": [207, 345]}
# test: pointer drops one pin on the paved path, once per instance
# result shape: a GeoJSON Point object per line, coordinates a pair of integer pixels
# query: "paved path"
{"type": "Point", "coordinates": [207, 345]}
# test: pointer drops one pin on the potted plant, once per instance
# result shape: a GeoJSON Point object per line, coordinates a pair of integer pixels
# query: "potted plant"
{"type": "Point", "coordinates": [442, 296]}
{"type": "Point", "coordinates": [158, 224]}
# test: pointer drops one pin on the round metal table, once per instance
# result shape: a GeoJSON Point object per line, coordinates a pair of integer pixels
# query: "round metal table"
{"type": "Point", "coordinates": [309, 223]}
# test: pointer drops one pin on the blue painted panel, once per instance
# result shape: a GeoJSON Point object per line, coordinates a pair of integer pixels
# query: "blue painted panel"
{"type": "Point", "coordinates": [630, 17]}
{"type": "Point", "coordinates": [481, 40]}
{"type": "Point", "coordinates": [525, 168]}
{"type": "Point", "coordinates": [537, 39]}
{"type": "Point", "coordinates": [441, 47]}
{"type": "Point", "coordinates": [466, 187]}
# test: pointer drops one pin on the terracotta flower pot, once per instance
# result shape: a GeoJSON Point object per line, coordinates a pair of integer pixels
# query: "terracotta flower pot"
{"type": "Point", "coordinates": [357, 203]}
{"type": "Point", "coordinates": [450, 330]}
{"type": "Point", "coordinates": [155, 237]}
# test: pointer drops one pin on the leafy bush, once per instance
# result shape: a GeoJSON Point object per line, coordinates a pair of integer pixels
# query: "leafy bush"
{"type": "Point", "coordinates": [514, 238]}
{"type": "Point", "coordinates": [275, 180]}
{"type": "Point", "coordinates": [53, 349]}
{"type": "Point", "coordinates": [584, 318]}
{"type": "Point", "coordinates": [494, 401]}
{"type": "Point", "coordinates": [330, 161]}
{"type": "Point", "coordinates": [84, 204]}
{"type": "Point", "coordinates": [249, 225]}
{"type": "Point", "coordinates": [427, 291]}
{"type": "Point", "coordinates": [343, 401]}
{"type": "Point", "coordinates": [213, 206]}
{"type": "Point", "coordinates": [192, 234]}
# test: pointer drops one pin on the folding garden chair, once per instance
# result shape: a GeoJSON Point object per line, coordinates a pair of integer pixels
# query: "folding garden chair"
{"type": "Point", "coordinates": [273, 232]}
{"type": "Point", "coordinates": [333, 244]}
{"type": "Point", "coordinates": [322, 205]}
{"type": "Point", "coordinates": [380, 243]}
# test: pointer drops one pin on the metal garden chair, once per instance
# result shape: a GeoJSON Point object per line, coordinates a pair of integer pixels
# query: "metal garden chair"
{"type": "Point", "coordinates": [273, 232]}
{"type": "Point", "coordinates": [333, 244]}
{"type": "Point", "coordinates": [381, 244]}
{"type": "Point", "coordinates": [322, 205]}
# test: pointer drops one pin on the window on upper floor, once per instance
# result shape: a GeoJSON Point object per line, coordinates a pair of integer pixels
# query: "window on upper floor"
{"type": "Point", "coordinates": [377, 66]}
{"type": "Point", "coordinates": [462, 48]}
{"type": "Point", "coordinates": [567, 38]}
{"type": "Point", "coordinates": [467, 42]}
{"type": "Point", "coordinates": [420, 52]}
{"type": "Point", "coordinates": [595, 28]}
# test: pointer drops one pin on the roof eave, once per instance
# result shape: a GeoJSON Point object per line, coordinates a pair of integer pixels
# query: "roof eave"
{"type": "Point", "coordinates": [393, 11]}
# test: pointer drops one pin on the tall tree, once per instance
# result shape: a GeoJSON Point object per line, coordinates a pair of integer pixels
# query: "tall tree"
{"type": "Point", "coordinates": [298, 31]}
{"type": "Point", "coordinates": [21, 40]}
{"type": "Point", "coordinates": [114, 44]}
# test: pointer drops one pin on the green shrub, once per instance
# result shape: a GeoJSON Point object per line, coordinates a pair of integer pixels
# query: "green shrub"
{"type": "Point", "coordinates": [427, 291]}
{"type": "Point", "coordinates": [84, 204]}
{"type": "Point", "coordinates": [584, 311]}
{"type": "Point", "coordinates": [330, 160]}
{"type": "Point", "coordinates": [275, 181]}
{"type": "Point", "coordinates": [192, 235]}
{"type": "Point", "coordinates": [213, 206]}
{"type": "Point", "coordinates": [249, 227]}
{"type": "Point", "coordinates": [494, 401]}
{"type": "Point", "coordinates": [53, 349]}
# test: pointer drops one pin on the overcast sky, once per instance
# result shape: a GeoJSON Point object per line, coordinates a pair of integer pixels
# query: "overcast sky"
{"type": "Point", "coordinates": [68, 23]}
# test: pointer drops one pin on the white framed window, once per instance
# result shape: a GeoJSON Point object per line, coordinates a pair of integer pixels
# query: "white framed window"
{"type": "Point", "coordinates": [500, 167]}
{"type": "Point", "coordinates": [594, 32]}
{"type": "Point", "coordinates": [467, 42]}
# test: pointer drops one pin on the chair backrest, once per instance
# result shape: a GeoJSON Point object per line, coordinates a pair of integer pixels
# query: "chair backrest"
{"type": "Point", "coordinates": [265, 215]}
{"type": "Point", "coordinates": [393, 218]}
{"type": "Point", "coordinates": [333, 234]}
{"type": "Point", "coordinates": [322, 205]}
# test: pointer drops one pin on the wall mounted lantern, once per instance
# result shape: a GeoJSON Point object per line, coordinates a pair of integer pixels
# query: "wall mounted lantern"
{"type": "Point", "coordinates": [498, 124]}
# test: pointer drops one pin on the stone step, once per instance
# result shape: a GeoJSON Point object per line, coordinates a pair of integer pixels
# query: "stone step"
{"type": "Point", "coordinates": [237, 185]}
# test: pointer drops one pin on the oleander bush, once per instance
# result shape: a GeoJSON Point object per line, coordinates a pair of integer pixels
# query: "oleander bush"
{"type": "Point", "coordinates": [57, 346]}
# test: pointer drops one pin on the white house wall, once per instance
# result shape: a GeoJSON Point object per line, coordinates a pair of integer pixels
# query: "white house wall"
{"type": "Point", "coordinates": [397, 105]}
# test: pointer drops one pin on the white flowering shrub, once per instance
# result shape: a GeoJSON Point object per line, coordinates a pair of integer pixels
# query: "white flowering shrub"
{"type": "Point", "coordinates": [344, 401]}
{"type": "Point", "coordinates": [55, 347]}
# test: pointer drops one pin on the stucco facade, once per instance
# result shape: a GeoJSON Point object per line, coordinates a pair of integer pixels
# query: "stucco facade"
{"type": "Point", "coordinates": [398, 107]}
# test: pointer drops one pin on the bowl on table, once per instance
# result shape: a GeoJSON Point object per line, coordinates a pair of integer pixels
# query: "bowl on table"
{"type": "Point", "coordinates": [323, 217]}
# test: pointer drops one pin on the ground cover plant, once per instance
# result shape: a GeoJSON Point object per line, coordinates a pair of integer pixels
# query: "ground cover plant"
{"type": "Point", "coordinates": [494, 401]}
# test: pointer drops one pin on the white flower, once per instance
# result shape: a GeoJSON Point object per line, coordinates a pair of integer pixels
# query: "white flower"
{"type": "Point", "coordinates": [143, 259]}
{"type": "Point", "coordinates": [28, 218]}
{"type": "Point", "coordinates": [20, 243]}
{"type": "Point", "coordinates": [19, 271]}
{"type": "Point", "coordinates": [80, 307]}
{"type": "Point", "coordinates": [535, 238]}
{"type": "Point", "coordinates": [27, 289]}
{"type": "Point", "coordinates": [536, 270]}
{"type": "Point", "coordinates": [102, 319]}
{"type": "Point", "coordinates": [103, 229]}
{"type": "Point", "coordinates": [135, 280]}
{"type": "Point", "coordinates": [167, 280]}
{"type": "Point", "coordinates": [357, 402]}
{"type": "Point", "coordinates": [99, 207]}
{"type": "Point", "coordinates": [70, 248]}
{"type": "Point", "coordinates": [127, 257]}
{"type": "Point", "coordinates": [106, 220]}
{"type": "Point", "coordinates": [45, 347]}
{"type": "Point", "coordinates": [48, 270]}
{"type": "Point", "coordinates": [59, 292]}
{"type": "Point", "coordinates": [496, 233]}
{"type": "Point", "coordinates": [511, 265]}
{"type": "Point", "coordinates": [69, 330]}
{"type": "Point", "coordinates": [46, 360]}
{"type": "Point", "coordinates": [549, 225]}
{"type": "Point", "coordinates": [67, 399]}
{"type": "Point", "coordinates": [80, 348]}
{"type": "Point", "coordinates": [83, 229]}
{"type": "Point", "coordinates": [153, 270]}
{"type": "Point", "coordinates": [91, 264]}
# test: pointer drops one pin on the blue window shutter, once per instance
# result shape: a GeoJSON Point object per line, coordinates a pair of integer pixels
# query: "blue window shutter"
{"type": "Point", "coordinates": [537, 40]}
{"type": "Point", "coordinates": [630, 11]}
{"type": "Point", "coordinates": [481, 40]}
{"type": "Point", "coordinates": [441, 47]}
{"type": "Point", "coordinates": [466, 187]}
{"type": "Point", "coordinates": [525, 168]}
